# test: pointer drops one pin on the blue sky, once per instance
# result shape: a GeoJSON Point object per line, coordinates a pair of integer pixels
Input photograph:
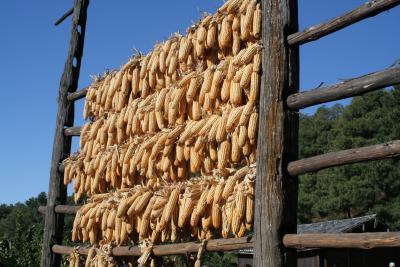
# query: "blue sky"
{"type": "Point", "coordinates": [33, 53]}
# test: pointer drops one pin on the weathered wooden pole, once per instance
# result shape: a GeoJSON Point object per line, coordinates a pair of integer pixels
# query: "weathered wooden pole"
{"type": "Point", "coordinates": [276, 190]}
{"type": "Point", "coordinates": [54, 223]}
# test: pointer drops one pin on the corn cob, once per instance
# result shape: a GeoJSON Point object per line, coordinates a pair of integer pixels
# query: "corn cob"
{"type": "Point", "coordinates": [254, 87]}
{"type": "Point", "coordinates": [194, 86]}
{"type": "Point", "coordinates": [170, 207]}
{"type": "Point", "coordinates": [195, 160]}
{"type": "Point", "coordinates": [223, 154]}
{"type": "Point", "coordinates": [246, 76]}
{"type": "Point", "coordinates": [235, 151]}
{"type": "Point", "coordinates": [196, 111]}
{"type": "Point", "coordinates": [243, 6]}
{"type": "Point", "coordinates": [225, 90]}
{"type": "Point", "coordinates": [144, 199]}
{"type": "Point", "coordinates": [185, 211]}
{"type": "Point", "coordinates": [236, 43]}
{"type": "Point", "coordinates": [225, 35]}
{"type": "Point", "coordinates": [248, 54]}
{"type": "Point", "coordinates": [247, 21]}
{"type": "Point", "coordinates": [216, 215]}
{"type": "Point", "coordinates": [252, 127]}
{"type": "Point", "coordinates": [233, 118]}
{"type": "Point", "coordinates": [250, 205]}
{"type": "Point", "coordinates": [257, 22]}
{"type": "Point", "coordinates": [212, 33]}
{"type": "Point", "coordinates": [240, 202]}
{"type": "Point", "coordinates": [235, 93]}
{"type": "Point", "coordinates": [199, 209]}
{"type": "Point", "coordinates": [184, 49]}
{"type": "Point", "coordinates": [212, 149]}
{"type": "Point", "coordinates": [206, 86]}
{"type": "Point", "coordinates": [242, 136]}
{"type": "Point", "coordinates": [201, 41]}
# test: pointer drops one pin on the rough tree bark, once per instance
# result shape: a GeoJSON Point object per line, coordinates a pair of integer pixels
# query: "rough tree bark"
{"type": "Point", "coordinates": [276, 191]}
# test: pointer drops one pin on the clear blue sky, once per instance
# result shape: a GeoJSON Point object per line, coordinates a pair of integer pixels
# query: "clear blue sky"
{"type": "Point", "coordinates": [33, 52]}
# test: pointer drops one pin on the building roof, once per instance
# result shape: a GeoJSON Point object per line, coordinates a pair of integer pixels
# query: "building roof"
{"type": "Point", "coordinates": [335, 226]}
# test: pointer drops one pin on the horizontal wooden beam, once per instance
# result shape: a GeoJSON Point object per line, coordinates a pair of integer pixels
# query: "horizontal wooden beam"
{"type": "Point", "coordinates": [364, 11]}
{"type": "Point", "coordinates": [64, 209]}
{"type": "Point", "coordinates": [350, 240]}
{"type": "Point", "coordinates": [58, 249]}
{"type": "Point", "coordinates": [73, 131]}
{"type": "Point", "coordinates": [63, 17]}
{"type": "Point", "coordinates": [172, 249]}
{"type": "Point", "coordinates": [77, 95]}
{"type": "Point", "coordinates": [344, 157]}
{"type": "Point", "coordinates": [298, 241]}
{"type": "Point", "coordinates": [348, 88]}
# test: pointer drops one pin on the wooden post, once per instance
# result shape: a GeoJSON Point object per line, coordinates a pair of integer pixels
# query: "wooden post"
{"type": "Point", "coordinates": [54, 223]}
{"type": "Point", "coordinates": [276, 191]}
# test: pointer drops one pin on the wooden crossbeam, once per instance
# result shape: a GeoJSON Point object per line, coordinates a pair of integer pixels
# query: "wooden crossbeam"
{"type": "Point", "coordinates": [364, 11]}
{"type": "Point", "coordinates": [229, 244]}
{"type": "Point", "coordinates": [77, 95]}
{"type": "Point", "coordinates": [297, 241]}
{"type": "Point", "coordinates": [349, 156]}
{"type": "Point", "coordinates": [348, 88]}
{"type": "Point", "coordinates": [348, 240]}
{"type": "Point", "coordinates": [73, 131]}
{"type": "Point", "coordinates": [62, 209]}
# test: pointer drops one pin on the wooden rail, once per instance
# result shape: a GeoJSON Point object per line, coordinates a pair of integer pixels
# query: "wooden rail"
{"type": "Point", "coordinates": [348, 88]}
{"type": "Point", "coordinates": [298, 241]}
{"type": "Point", "coordinates": [172, 249]}
{"type": "Point", "coordinates": [73, 131]}
{"type": "Point", "coordinates": [77, 95]}
{"type": "Point", "coordinates": [364, 11]}
{"type": "Point", "coordinates": [375, 152]}
{"type": "Point", "coordinates": [351, 240]}
{"type": "Point", "coordinates": [63, 17]}
{"type": "Point", "coordinates": [62, 209]}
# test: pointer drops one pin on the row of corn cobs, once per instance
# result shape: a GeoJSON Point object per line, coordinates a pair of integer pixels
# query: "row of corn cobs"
{"type": "Point", "coordinates": [215, 142]}
{"type": "Point", "coordinates": [213, 51]}
{"type": "Point", "coordinates": [205, 207]}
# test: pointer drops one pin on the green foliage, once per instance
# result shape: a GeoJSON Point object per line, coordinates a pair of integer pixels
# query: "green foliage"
{"type": "Point", "coordinates": [357, 189]}
{"type": "Point", "coordinates": [217, 259]}
{"type": "Point", "coordinates": [21, 229]}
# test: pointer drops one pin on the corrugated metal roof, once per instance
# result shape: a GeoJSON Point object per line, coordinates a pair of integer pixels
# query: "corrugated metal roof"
{"type": "Point", "coordinates": [335, 226]}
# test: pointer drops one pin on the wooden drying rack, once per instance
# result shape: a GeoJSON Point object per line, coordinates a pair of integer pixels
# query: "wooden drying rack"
{"type": "Point", "coordinates": [275, 240]}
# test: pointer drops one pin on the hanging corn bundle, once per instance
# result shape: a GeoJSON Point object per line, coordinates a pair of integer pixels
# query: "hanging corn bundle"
{"type": "Point", "coordinates": [168, 136]}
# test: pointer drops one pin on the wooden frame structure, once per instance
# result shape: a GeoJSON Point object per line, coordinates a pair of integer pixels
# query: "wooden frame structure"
{"type": "Point", "coordinates": [54, 222]}
{"type": "Point", "coordinates": [275, 238]}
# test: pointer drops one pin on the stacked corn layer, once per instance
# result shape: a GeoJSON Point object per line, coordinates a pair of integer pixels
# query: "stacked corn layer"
{"type": "Point", "coordinates": [206, 206]}
{"type": "Point", "coordinates": [174, 133]}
